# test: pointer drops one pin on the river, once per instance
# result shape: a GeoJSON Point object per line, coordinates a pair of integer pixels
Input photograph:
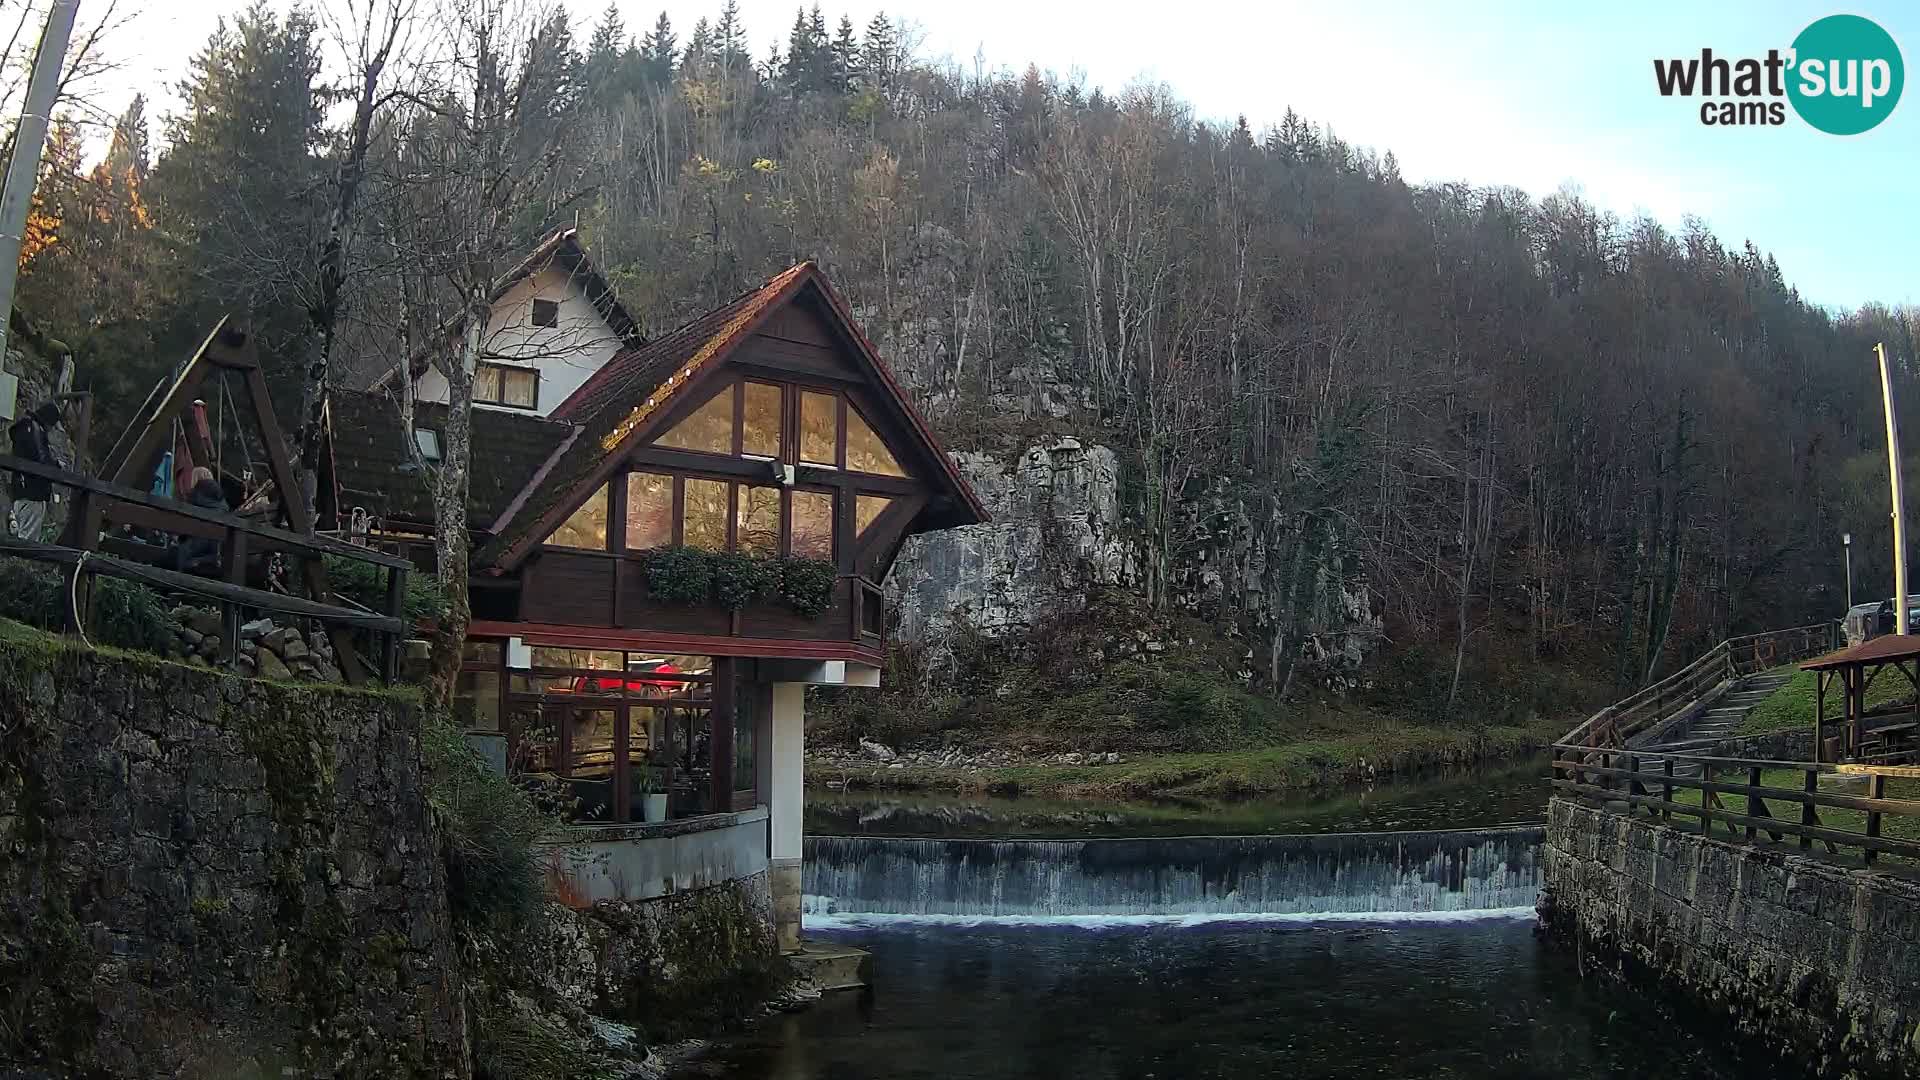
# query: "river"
{"type": "Point", "coordinates": [1032, 940]}
{"type": "Point", "coordinates": [1474, 999]}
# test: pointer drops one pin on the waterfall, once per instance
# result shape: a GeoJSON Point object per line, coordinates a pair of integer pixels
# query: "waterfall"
{"type": "Point", "coordinates": [1333, 874]}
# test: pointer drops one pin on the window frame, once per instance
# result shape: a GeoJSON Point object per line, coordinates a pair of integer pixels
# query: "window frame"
{"type": "Point", "coordinates": [499, 401]}
{"type": "Point", "coordinates": [534, 309]}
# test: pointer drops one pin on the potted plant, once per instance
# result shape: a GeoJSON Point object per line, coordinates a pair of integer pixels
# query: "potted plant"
{"type": "Point", "coordinates": [653, 805]}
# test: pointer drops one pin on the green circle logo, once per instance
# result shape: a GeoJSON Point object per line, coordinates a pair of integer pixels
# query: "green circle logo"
{"type": "Point", "coordinates": [1846, 75]}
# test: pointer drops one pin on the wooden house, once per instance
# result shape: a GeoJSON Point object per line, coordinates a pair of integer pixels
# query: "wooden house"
{"type": "Point", "coordinates": [673, 536]}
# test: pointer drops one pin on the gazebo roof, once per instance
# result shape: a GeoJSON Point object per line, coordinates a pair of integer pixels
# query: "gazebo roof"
{"type": "Point", "coordinates": [1886, 649]}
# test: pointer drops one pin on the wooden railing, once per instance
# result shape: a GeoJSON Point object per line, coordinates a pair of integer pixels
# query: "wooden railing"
{"type": "Point", "coordinates": [1699, 682]}
{"type": "Point", "coordinates": [95, 502]}
{"type": "Point", "coordinates": [1735, 793]}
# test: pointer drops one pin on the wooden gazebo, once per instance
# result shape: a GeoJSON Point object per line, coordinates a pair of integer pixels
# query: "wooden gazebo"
{"type": "Point", "coordinates": [1885, 735]}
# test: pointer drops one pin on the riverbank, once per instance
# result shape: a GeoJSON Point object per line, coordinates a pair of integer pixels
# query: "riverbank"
{"type": "Point", "coordinates": [1327, 761]}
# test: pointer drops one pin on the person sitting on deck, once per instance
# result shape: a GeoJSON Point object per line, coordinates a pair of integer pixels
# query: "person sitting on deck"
{"type": "Point", "coordinates": [199, 554]}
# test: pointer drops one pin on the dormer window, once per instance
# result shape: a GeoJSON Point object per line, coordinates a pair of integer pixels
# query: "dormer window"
{"type": "Point", "coordinates": [506, 385]}
{"type": "Point", "coordinates": [546, 312]}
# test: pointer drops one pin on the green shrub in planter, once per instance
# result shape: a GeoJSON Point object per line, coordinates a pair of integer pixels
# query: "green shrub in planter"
{"type": "Point", "coordinates": [739, 579]}
{"type": "Point", "coordinates": [806, 585]}
{"type": "Point", "coordinates": [679, 575]}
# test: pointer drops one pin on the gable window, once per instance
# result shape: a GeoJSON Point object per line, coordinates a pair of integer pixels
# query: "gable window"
{"type": "Point", "coordinates": [587, 527]}
{"type": "Point", "coordinates": [709, 429]}
{"type": "Point", "coordinates": [546, 313]}
{"type": "Point", "coordinates": [813, 524]}
{"type": "Point", "coordinates": [649, 510]}
{"type": "Point", "coordinates": [756, 527]}
{"type": "Point", "coordinates": [865, 452]}
{"type": "Point", "coordinates": [760, 420]}
{"type": "Point", "coordinates": [819, 429]}
{"type": "Point", "coordinates": [703, 519]}
{"type": "Point", "coordinates": [504, 384]}
{"type": "Point", "coordinates": [867, 509]}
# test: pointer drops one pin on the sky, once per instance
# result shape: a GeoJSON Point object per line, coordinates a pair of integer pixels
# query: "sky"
{"type": "Point", "coordinates": [1532, 95]}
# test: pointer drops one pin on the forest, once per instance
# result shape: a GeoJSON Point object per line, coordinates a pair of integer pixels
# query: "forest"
{"type": "Point", "coordinates": [1521, 420]}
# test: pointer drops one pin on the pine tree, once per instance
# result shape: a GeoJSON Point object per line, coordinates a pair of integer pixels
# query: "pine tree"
{"type": "Point", "coordinates": [657, 52]}
{"type": "Point", "coordinates": [730, 38]}
{"type": "Point", "coordinates": [799, 70]}
{"type": "Point", "coordinates": [878, 52]}
{"type": "Point", "coordinates": [699, 47]}
{"type": "Point", "coordinates": [609, 37]}
{"type": "Point", "coordinates": [238, 191]}
{"type": "Point", "coordinates": [845, 57]}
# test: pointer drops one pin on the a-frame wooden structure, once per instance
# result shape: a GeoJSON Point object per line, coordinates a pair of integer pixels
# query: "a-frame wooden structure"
{"type": "Point", "coordinates": [229, 349]}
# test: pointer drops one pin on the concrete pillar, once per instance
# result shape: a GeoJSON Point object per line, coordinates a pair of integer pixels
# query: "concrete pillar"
{"type": "Point", "coordinates": [786, 802]}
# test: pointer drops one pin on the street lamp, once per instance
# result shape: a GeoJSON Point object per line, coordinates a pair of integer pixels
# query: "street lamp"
{"type": "Point", "coordinates": [1846, 545]}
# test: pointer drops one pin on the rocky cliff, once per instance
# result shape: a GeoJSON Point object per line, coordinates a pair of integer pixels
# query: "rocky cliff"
{"type": "Point", "coordinates": [1063, 529]}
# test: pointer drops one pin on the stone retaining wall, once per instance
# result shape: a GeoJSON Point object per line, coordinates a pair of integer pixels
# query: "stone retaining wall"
{"type": "Point", "coordinates": [209, 876]}
{"type": "Point", "coordinates": [1812, 959]}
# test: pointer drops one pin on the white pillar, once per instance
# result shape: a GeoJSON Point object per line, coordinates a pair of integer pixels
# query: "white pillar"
{"type": "Point", "coordinates": [786, 802]}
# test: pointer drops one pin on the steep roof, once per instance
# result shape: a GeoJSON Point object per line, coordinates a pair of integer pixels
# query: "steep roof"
{"type": "Point", "coordinates": [374, 468]}
{"type": "Point", "coordinates": [613, 406]}
{"type": "Point", "coordinates": [561, 249]}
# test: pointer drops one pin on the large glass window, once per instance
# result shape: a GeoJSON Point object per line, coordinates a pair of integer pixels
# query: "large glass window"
{"type": "Point", "coordinates": [865, 451]}
{"type": "Point", "coordinates": [819, 428]}
{"type": "Point", "coordinates": [813, 525]}
{"type": "Point", "coordinates": [757, 528]}
{"type": "Point", "coordinates": [587, 528]}
{"type": "Point", "coordinates": [649, 510]}
{"type": "Point", "coordinates": [760, 420]}
{"type": "Point", "coordinates": [703, 521]}
{"type": "Point", "coordinates": [710, 428]}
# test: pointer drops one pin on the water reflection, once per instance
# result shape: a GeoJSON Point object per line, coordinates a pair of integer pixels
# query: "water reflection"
{"type": "Point", "coordinates": [1481, 1000]}
{"type": "Point", "coordinates": [1512, 793]}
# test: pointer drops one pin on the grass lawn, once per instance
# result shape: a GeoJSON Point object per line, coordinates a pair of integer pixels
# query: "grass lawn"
{"type": "Point", "coordinates": [1791, 706]}
{"type": "Point", "coordinates": [1313, 762]}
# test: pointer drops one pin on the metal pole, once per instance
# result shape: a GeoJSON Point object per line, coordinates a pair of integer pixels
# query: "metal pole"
{"type": "Point", "coordinates": [1893, 478]}
{"type": "Point", "coordinates": [1846, 545]}
{"type": "Point", "coordinates": [29, 138]}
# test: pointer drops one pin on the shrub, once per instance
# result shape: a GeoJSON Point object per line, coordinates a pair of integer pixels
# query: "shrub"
{"type": "Point", "coordinates": [806, 585]}
{"type": "Point", "coordinates": [366, 584]}
{"type": "Point", "coordinates": [490, 825]}
{"type": "Point", "coordinates": [125, 614]}
{"type": "Point", "coordinates": [739, 580]}
{"type": "Point", "coordinates": [679, 575]}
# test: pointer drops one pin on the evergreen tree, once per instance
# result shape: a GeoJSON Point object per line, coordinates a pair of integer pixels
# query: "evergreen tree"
{"type": "Point", "coordinates": [609, 37]}
{"type": "Point", "coordinates": [657, 52]}
{"type": "Point", "coordinates": [238, 193]}
{"type": "Point", "coordinates": [730, 38]}
{"type": "Point", "coordinates": [846, 55]}
{"type": "Point", "coordinates": [879, 52]}
{"type": "Point", "coordinates": [699, 47]}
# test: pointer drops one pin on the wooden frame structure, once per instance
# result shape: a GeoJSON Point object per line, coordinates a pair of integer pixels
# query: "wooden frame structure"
{"type": "Point", "coordinates": [96, 500]}
{"type": "Point", "coordinates": [228, 349]}
{"type": "Point", "coordinates": [1862, 740]}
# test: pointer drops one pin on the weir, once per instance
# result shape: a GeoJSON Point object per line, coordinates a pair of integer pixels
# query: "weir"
{"type": "Point", "coordinates": [1219, 876]}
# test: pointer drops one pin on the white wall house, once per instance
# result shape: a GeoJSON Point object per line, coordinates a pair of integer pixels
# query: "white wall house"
{"type": "Point", "coordinates": [545, 338]}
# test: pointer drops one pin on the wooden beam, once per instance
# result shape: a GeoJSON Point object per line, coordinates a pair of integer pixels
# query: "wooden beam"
{"type": "Point", "coordinates": [218, 519]}
{"type": "Point", "coordinates": [113, 566]}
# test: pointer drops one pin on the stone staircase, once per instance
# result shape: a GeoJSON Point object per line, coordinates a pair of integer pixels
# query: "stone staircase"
{"type": "Point", "coordinates": [1722, 718]}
